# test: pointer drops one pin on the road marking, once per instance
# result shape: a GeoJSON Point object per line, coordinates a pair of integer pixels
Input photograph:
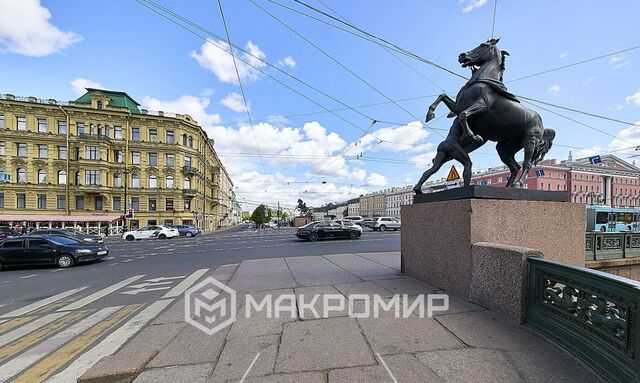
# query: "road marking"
{"type": "Point", "coordinates": [29, 276]}
{"type": "Point", "coordinates": [250, 367]}
{"type": "Point", "coordinates": [99, 294]}
{"type": "Point", "coordinates": [110, 344]}
{"type": "Point", "coordinates": [36, 336]}
{"type": "Point", "coordinates": [36, 353]}
{"type": "Point", "coordinates": [44, 302]}
{"type": "Point", "coordinates": [185, 284]}
{"type": "Point", "coordinates": [164, 278]}
{"type": "Point", "coordinates": [58, 270]}
{"type": "Point", "coordinates": [29, 327]}
{"type": "Point", "coordinates": [46, 367]}
{"type": "Point", "coordinates": [107, 258]}
{"type": "Point", "coordinates": [144, 290]}
{"type": "Point", "coordinates": [53, 306]}
{"type": "Point", "coordinates": [387, 368]}
{"type": "Point", "coordinates": [113, 264]}
{"type": "Point", "coordinates": [8, 324]}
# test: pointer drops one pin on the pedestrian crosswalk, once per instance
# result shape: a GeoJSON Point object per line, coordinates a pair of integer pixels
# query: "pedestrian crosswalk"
{"type": "Point", "coordinates": [57, 339]}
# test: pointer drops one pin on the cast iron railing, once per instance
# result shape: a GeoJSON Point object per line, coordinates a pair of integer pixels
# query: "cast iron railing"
{"type": "Point", "coordinates": [600, 246]}
{"type": "Point", "coordinates": [592, 314]}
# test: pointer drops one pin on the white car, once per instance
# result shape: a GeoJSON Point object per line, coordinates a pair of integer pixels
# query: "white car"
{"type": "Point", "coordinates": [385, 223]}
{"type": "Point", "coordinates": [153, 231]}
{"type": "Point", "coordinates": [349, 223]}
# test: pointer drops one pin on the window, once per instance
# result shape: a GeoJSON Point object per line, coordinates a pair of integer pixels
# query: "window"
{"type": "Point", "coordinates": [91, 177]}
{"type": "Point", "coordinates": [100, 106]}
{"type": "Point", "coordinates": [2, 200]}
{"type": "Point", "coordinates": [1, 121]}
{"type": "Point", "coordinates": [42, 151]}
{"type": "Point", "coordinates": [22, 176]}
{"type": "Point", "coordinates": [77, 178]}
{"type": "Point", "coordinates": [153, 181]}
{"type": "Point", "coordinates": [152, 204]}
{"type": "Point", "coordinates": [62, 152]}
{"type": "Point", "coordinates": [187, 183]}
{"type": "Point", "coordinates": [42, 125]}
{"type": "Point", "coordinates": [135, 134]}
{"type": "Point", "coordinates": [42, 176]}
{"type": "Point", "coordinates": [187, 205]}
{"type": "Point", "coordinates": [135, 158]}
{"type": "Point", "coordinates": [135, 203]}
{"type": "Point", "coordinates": [21, 200]}
{"type": "Point", "coordinates": [153, 135]}
{"type": "Point", "coordinates": [21, 123]}
{"type": "Point", "coordinates": [22, 150]}
{"type": "Point", "coordinates": [169, 204]}
{"type": "Point", "coordinates": [80, 202]}
{"type": "Point", "coordinates": [117, 180]}
{"type": "Point", "coordinates": [184, 139]}
{"type": "Point", "coordinates": [62, 127]}
{"type": "Point", "coordinates": [117, 204]}
{"type": "Point", "coordinates": [170, 137]}
{"type": "Point", "coordinates": [118, 156]}
{"type": "Point", "coordinates": [42, 201]}
{"type": "Point", "coordinates": [93, 153]}
{"type": "Point", "coordinates": [187, 161]}
{"type": "Point", "coordinates": [171, 159]}
{"type": "Point", "coordinates": [80, 128]}
{"type": "Point", "coordinates": [98, 204]}
{"type": "Point", "coordinates": [117, 132]}
{"type": "Point", "coordinates": [190, 142]}
{"type": "Point", "coordinates": [135, 180]}
{"type": "Point", "coordinates": [62, 177]}
{"type": "Point", "coordinates": [169, 182]}
{"type": "Point", "coordinates": [153, 159]}
{"type": "Point", "coordinates": [61, 201]}
{"type": "Point", "coordinates": [2, 148]}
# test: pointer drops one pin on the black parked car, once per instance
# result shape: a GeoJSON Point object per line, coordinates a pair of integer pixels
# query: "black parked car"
{"type": "Point", "coordinates": [66, 233]}
{"type": "Point", "coordinates": [6, 232]}
{"type": "Point", "coordinates": [55, 250]}
{"type": "Point", "coordinates": [326, 229]}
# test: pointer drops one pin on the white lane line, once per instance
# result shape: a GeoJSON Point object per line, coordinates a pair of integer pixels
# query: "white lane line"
{"type": "Point", "coordinates": [58, 270]}
{"type": "Point", "coordinates": [185, 284]}
{"type": "Point", "coordinates": [99, 294]}
{"type": "Point", "coordinates": [28, 358]}
{"type": "Point", "coordinates": [250, 367]}
{"type": "Point", "coordinates": [113, 264]}
{"type": "Point", "coordinates": [29, 327]}
{"type": "Point", "coordinates": [126, 260]}
{"type": "Point", "coordinates": [105, 258]}
{"type": "Point", "coordinates": [387, 368]}
{"type": "Point", "coordinates": [44, 302]}
{"type": "Point", "coordinates": [110, 344]}
{"type": "Point", "coordinates": [29, 276]}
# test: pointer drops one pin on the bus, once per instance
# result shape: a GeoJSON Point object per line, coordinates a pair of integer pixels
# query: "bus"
{"type": "Point", "coordinates": [611, 219]}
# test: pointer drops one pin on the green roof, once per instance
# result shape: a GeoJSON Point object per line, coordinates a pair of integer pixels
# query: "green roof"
{"type": "Point", "coordinates": [116, 99]}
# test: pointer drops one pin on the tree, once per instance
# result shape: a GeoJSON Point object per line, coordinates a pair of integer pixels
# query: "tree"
{"type": "Point", "coordinates": [284, 215]}
{"type": "Point", "coordinates": [259, 217]}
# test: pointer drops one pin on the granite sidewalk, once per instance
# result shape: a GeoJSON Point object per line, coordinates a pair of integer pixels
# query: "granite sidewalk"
{"type": "Point", "coordinates": [463, 344]}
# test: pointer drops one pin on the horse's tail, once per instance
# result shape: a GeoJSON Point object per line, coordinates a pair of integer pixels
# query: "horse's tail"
{"type": "Point", "coordinates": [543, 147]}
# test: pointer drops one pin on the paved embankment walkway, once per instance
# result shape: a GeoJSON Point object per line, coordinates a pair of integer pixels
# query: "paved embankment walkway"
{"type": "Point", "coordinates": [466, 343]}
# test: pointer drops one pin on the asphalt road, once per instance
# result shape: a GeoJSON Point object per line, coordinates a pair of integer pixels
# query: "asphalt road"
{"type": "Point", "coordinates": [171, 261]}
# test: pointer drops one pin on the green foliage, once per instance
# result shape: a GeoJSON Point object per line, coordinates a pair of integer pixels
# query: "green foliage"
{"type": "Point", "coordinates": [258, 215]}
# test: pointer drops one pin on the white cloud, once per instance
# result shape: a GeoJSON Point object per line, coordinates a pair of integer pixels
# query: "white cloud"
{"type": "Point", "coordinates": [196, 107]}
{"type": "Point", "coordinates": [564, 55]}
{"type": "Point", "coordinates": [470, 5]}
{"type": "Point", "coordinates": [235, 102]}
{"type": "Point", "coordinates": [616, 107]}
{"type": "Point", "coordinates": [221, 64]}
{"type": "Point", "coordinates": [287, 61]}
{"type": "Point", "coordinates": [554, 90]}
{"type": "Point", "coordinates": [25, 29]}
{"type": "Point", "coordinates": [627, 138]}
{"type": "Point", "coordinates": [590, 151]}
{"type": "Point", "coordinates": [206, 92]}
{"type": "Point", "coordinates": [79, 84]}
{"type": "Point", "coordinates": [424, 160]}
{"type": "Point", "coordinates": [377, 179]}
{"type": "Point", "coordinates": [404, 138]}
{"type": "Point", "coordinates": [619, 62]}
{"type": "Point", "coordinates": [588, 81]}
{"type": "Point", "coordinates": [634, 99]}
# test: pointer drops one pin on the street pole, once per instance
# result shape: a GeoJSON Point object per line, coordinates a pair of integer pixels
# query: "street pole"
{"type": "Point", "coordinates": [126, 184]}
{"type": "Point", "coordinates": [278, 215]}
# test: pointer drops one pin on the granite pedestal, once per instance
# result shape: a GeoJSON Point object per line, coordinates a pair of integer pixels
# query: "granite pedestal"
{"type": "Point", "coordinates": [438, 234]}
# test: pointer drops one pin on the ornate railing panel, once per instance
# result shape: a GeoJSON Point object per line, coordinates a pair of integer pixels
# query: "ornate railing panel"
{"type": "Point", "coordinates": [601, 246]}
{"type": "Point", "coordinates": [591, 313]}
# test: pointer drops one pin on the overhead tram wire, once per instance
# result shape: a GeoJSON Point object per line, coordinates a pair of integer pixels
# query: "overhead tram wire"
{"type": "Point", "coordinates": [244, 97]}
{"type": "Point", "coordinates": [337, 61]}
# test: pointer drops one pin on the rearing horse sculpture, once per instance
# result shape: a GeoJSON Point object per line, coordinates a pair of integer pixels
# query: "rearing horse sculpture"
{"type": "Point", "coordinates": [486, 111]}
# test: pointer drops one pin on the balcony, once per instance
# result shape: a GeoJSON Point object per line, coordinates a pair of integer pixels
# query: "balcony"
{"type": "Point", "coordinates": [98, 137]}
{"type": "Point", "coordinates": [189, 192]}
{"type": "Point", "coordinates": [190, 170]}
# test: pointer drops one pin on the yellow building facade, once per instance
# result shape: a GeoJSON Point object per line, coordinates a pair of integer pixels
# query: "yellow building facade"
{"type": "Point", "coordinates": [87, 162]}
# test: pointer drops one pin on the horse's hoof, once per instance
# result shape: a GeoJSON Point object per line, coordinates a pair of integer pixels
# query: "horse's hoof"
{"type": "Point", "coordinates": [430, 116]}
{"type": "Point", "coordinates": [516, 185]}
{"type": "Point", "coordinates": [478, 139]}
{"type": "Point", "coordinates": [451, 115]}
{"type": "Point", "coordinates": [417, 190]}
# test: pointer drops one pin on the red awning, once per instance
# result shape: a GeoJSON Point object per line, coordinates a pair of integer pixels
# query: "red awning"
{"type": "Point", "coordinates": [58, 218]}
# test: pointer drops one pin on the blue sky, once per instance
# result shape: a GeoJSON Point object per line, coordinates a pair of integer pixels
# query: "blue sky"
{"type": "Point", "coordinates": [52, 48]}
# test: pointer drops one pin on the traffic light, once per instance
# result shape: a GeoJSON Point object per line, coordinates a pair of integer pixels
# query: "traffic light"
{"type": "Point", "coordinates": [130, 214]}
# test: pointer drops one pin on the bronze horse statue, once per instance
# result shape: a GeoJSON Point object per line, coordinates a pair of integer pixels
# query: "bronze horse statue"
{"type": "Point", "coordinates": [486, 111]}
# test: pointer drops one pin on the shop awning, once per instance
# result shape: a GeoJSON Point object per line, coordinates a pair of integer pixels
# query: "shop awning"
{"type": "Point", "coordinates": [58, 218]}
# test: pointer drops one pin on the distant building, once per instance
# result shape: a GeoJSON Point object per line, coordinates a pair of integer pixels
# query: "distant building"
{"type": "Point", "coordinates": [373, 204]}
{"type": "Point", "coordinates": [353, 208]}
{"type": "Point", "coordinates": [398, 197]}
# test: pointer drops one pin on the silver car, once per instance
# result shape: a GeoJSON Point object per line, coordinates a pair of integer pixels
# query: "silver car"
{"type": "Point", "coordinates": [385, 223]}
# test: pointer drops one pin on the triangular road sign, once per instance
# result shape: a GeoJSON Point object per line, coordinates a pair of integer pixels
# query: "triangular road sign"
{"type": "Point", "coordinates": [453, 174]}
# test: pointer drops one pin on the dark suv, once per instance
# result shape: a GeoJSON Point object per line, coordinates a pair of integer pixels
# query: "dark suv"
{"type": "Point", "coordinates": [54, 250]}
{"type": "Point", "coordinates": [66, 233]}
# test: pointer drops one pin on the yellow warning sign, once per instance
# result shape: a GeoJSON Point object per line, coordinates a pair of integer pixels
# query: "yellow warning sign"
{"type": "Point", "coordinates": [453, 174]}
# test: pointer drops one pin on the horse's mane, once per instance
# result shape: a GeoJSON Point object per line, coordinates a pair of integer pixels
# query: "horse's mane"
{"type": "Point", "coordinates": [503, 60]}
